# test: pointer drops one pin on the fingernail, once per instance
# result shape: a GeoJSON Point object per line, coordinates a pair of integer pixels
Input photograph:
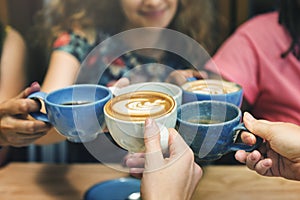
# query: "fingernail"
{"type": "Point", "coordinates": [35, 83]}
{"type": "Point", "coordinates": [248, 138]}
{"type": "Point", "coordinates": [267, 163]}
{"type": "Point", "coordinates": [248, 117]}
{"type": "Point", "coordinates": [252, 157]}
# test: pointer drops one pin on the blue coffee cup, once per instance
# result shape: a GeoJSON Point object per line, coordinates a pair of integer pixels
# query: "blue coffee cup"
{"type": "Point", "coordinates": [211, 128]}
{"type": "Point", "coordinates": [212, 89]}
{"type": "Point", "coordinates": [75, 111]}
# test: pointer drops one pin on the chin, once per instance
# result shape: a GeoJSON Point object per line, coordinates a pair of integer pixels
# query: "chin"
{"type": "Point", "coordinates": [157, 25]}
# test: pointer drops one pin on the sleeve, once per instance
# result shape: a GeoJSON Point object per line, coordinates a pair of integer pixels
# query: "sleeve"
{"type": "Point", "coordinates": [237, 61]}
{"type": "Point", "coordinates": [74, 44]}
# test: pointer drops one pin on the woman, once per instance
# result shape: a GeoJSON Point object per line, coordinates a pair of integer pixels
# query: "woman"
{"type": "Point", "coordinates": [72, 29]}
{"type": "Point", "coordinates": [76, 28]}
{"type": "Point", "coordinates": [263, 57]}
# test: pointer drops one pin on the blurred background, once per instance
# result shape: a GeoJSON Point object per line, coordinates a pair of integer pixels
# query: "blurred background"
{"type": "Point", "coordinates": [20, 15]}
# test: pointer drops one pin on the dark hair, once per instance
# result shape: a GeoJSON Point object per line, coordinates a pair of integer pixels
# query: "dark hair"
{"type": "Point", "coordinates": [289, 17]}
{"type": "Point", "coordinates": [195, 18]}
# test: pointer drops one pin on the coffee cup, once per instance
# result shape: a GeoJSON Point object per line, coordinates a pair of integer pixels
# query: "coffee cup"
{"type": "Point", "coordinates": [212, 128]}
{"type": "Point", "coordinates": [168, 88]}
{"type": "Point", "coordinates": [75, 111]}
{"type": "Point", "coordinates": [211, 89]}
{"type": "Point", "coordinates": [126, 113]}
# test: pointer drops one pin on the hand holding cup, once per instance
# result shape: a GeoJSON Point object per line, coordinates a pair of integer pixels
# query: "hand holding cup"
{"type": "Point", "coordinates": [211, 128]}
{"type": "Point", "coordinates": [75, 111]}
{"type": "Point", "coordinates": [125, 116]}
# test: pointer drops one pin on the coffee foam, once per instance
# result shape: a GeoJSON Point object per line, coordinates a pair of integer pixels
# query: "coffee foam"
{"type": "Point", "coordinates": [211, 87]}
{"type": "Point", "coordinates": [137, 106]}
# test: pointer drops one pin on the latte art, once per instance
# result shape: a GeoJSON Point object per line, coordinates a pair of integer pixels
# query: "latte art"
{"type": "Point", "coordinates": [137, 106]}
{"type": "Point", "coordinates": [140, 106]}
{"type": "Point", "coordinates": [211, 87]}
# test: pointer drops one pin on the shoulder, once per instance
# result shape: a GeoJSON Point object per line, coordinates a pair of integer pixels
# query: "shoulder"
{"type": "Point", "coordinates": [13, 36]}
{"type": "Point", "coordinates": [263, 29]}
{"type": "Point", "coordinates": [73, 44]}
{"type": "Point", "coordinates": [262, 22]}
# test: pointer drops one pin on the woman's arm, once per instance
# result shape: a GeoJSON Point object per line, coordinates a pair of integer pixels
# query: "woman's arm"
{"type": "Point", "coordinates": [62, 72]}
{"type": "Point", "coordinates": [12, 64]}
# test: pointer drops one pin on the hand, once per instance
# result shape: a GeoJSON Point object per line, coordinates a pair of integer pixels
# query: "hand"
{"type": "Point", "coordinates": [279, 155]}
{"type": "Point", "coordinates": [117, 85]}
{"type": "Point", "coordinates": [15, 128]}
{"type": "Point", "coordinates": [179, 77]}
{"type": "Point", "coordinates": [175, 177]}
{"type": "Point", "coordinates": [122, 82]}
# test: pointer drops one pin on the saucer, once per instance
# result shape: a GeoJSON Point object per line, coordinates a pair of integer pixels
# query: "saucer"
{"type": "Point", "coordinates": [115, 189]}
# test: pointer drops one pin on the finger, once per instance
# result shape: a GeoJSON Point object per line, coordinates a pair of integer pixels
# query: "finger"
{"type": "Point", "coordinates": [18, 106]}
{"type": "Point", "coordinates": [134, 155]}
{"type": "Point", "coordinates": [241, 156]}
{"type": "Point", "coordinates": [19, 139]}
{"type": "Point", "coordinates": [258, 127]}
{"type": "Point", "coordinates": [136, 172]}
{"type": "Point", "coordinates": [152, 136]}
{"type": "Point", "coordinates": [252, 159]}
{"type": "Point", "coordinates": [200, 74]}
{"type": "Point", "coordinates": [122, 82]}
{"type": "Point", "coordinates": [34, 87]}
{"type": "Point", "coordinates": [34, 136]}
{"type": "Point", "coordinates": [9, 124]}
{"type": "Point", "coordinates": [135, 162]}
{"type": "Point", "coordinates": [153, 157]}
{"type": "Point", "coordinates": [176, 77]}
{"type": "Point", "coordinates": [248, 138]}
{"type": "Point", "coordinates": [263, 166]}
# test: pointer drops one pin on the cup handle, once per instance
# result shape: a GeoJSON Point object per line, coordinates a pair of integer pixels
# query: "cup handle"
{"type": "Point", "coordinates": [164, 138]}
{"type": "Point", "coordinates": [242, 146]}
{"type": "Point", "coordinates": [113, 90]}
{"type": "Point", "coordinates": [39, 96]}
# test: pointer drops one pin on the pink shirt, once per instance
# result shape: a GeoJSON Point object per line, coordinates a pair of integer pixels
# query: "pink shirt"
{"type": "Point", "coordinates": [251, 57]}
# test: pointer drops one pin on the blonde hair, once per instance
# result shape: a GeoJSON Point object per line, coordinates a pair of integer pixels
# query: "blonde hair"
{"type": "Point", "coordinates": [195, 18]}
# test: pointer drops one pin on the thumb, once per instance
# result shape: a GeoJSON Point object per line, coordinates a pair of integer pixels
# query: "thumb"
{"type": "Point", "coordinates": [260, 128]}
{"type": "Point", "coordinates": [152, 136]}
{"type": "Point", "coordinates": [153, 156]}
{"type": "Point", "coordinates": [34, 87]}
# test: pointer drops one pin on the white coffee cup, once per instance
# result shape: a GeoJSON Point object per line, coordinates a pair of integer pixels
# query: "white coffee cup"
{"type": "Point", "coordinates": [126, 113]}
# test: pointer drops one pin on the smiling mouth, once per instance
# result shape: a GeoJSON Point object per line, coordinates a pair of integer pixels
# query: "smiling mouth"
{"type": "Point", "coordinates": [154, 13]}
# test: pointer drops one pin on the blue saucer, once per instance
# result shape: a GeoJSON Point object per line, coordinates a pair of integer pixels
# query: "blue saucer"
{"type": "Point", "coordinates": [116, 189]}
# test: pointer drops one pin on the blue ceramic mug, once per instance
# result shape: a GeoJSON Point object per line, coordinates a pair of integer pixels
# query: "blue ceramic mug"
{"type": "Point", "coordinates": [75, 111]}
{"type": "Point", "coordinates": [212, 89]}
{"type": "Point", "coordinates": [211, 128]}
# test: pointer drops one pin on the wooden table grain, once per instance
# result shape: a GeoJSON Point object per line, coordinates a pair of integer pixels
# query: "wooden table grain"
{"type": "Point", "coordinates": [36, 181]}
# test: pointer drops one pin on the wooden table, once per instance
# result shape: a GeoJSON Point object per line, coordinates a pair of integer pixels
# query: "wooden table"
{"type": "Point", "coordinates": [32, 181]}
